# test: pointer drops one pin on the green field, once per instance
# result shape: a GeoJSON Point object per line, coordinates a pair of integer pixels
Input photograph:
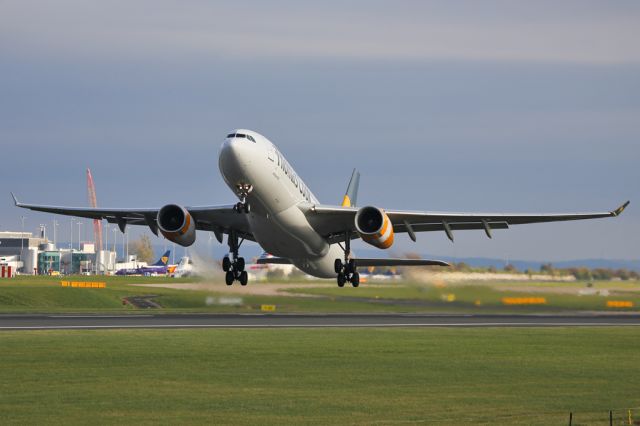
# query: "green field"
{"type": "Point", "coordinates": [317, 376]}
{"type": "Point", "coordinates": [44, 294]}
{"type": "Point", "coordinates": [320, 376]}
{"type": "Point", "coordinates": [28, 294]}
{"type": "Point", "coordinates": [487, 297]}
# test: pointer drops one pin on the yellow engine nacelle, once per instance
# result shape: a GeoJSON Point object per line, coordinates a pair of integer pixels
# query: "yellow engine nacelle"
{"type": "Point", "coordinates": [177, 224]}
{"type": "Point", "coordinates": [374, 227]}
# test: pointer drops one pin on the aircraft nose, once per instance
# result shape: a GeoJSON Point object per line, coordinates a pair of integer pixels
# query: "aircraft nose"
{"type": "Point", "coordinates": [235, 160]}
{"type": "Point", "coordinates": [231, 150]}
{"type": "Point", "coordinates": [234, 153]}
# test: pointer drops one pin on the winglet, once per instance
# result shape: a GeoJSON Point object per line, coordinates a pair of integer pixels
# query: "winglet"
{"type": "Point", "coordinates": [619, 210]}
{"type": "Point", "coordinates": [15, 200]}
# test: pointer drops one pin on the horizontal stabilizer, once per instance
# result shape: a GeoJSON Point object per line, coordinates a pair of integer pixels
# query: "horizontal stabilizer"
{"type": "Point", "coordinates": [274, 261]}
{"type": "Point", "coordinates": [399, 262]}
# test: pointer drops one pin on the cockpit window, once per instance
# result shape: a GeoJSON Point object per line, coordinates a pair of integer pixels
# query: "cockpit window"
{"type": "Point", "coordinates": [240, 135]}
{"type": "Point", "coordinates": [237, 135]}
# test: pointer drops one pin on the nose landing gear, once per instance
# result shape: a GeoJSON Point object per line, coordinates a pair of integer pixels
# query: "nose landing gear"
{"type": "Point", "coordinates": [243, 190]}
{"type": "Point", "coordinates": [234, 267]}
{"type": "Point", "coordinates": [242, 207]}
{"type": "Point", "coordinates": [347, 270]}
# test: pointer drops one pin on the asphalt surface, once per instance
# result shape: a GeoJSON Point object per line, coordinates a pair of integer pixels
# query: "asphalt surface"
{"type": "Point", "coordinates": [78, 321]}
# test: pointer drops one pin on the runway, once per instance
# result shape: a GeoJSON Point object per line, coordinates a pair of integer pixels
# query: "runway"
{"type": "Point", "coordinates": [176, 321]}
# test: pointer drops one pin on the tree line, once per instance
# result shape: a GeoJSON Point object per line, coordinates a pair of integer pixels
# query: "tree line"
{"type": "Point", "coordinates": [580, 273]}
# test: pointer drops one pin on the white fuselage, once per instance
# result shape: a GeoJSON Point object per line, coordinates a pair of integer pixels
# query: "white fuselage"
{"type": "Point", "coordinates": [276, 220]}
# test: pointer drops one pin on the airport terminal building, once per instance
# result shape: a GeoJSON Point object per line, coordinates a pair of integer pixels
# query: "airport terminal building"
{"type": "Point", "coordinates": [29, 254]}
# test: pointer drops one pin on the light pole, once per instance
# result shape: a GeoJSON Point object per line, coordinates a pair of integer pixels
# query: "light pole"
{"type": "Point", "coordinates": [22, 218]}
{"type": "Point", "coordinates": [79, 229]}
{"type": "Point", "coordinates": [55, 235]}
{"type": "Point", "coordinates": [71, 243]}
{"type": "Point", "coordinates": [107, 267]}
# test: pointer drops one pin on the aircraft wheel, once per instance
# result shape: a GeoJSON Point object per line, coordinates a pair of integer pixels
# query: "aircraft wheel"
{"type": "Point", "coordinates": [351, 266]}
{"type": "Point", "coordinates": [337, 266]}
{"type": "Point", "coordinates": [226, 264]}
{"type": "Point", "coordinates": [247, 208]}
{"type": "Point", "coordinates": [244, 278]}
{"type": "Point", "coordinates": [229, 277]}
{"type": "Point", "coordinates": [240, 264]}
{"type": "Point", "coordinates": [355, 279]}
{"type": "Point", "coordinates": [341, 280]}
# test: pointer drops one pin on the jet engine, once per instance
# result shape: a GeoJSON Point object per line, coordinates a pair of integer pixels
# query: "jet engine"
{"type": "Point", "coordinates": [374, 227]}
{"type": "Point", "coordinates": [177, 224]}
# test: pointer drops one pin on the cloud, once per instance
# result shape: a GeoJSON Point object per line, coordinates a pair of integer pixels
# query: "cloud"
{"type": "Point", "coordinates": [578, 32]}
{"type": "Point", "coordinates": [510, 106]}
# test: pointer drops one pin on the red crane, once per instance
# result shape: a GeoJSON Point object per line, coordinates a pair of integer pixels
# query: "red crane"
{"type": "Point", "coordinates": [97, 224]}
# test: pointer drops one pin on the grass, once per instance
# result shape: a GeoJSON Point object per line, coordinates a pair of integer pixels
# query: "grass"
{"type": "Point", "coordinates": [319, 376]}
{"type": "Point", "coordinates": [487, 297]}
{"type": "Point", "coordinates": [44, 294]}
{"type": "Point", "coordinates": [111, 280]}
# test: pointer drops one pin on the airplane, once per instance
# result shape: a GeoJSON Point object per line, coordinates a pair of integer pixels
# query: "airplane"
{"type": "Point", "coordinates": [277, 210]}
{"type": "Point", "coordinates": [159, 268]}
{"type": "Point", "coordinates": [183, 269]}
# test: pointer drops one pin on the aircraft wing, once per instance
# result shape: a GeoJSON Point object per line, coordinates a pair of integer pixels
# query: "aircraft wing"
{"type": "Point", "coordinates": [334, 222]}
{"type": "Point", "coordinates": [218, 219]}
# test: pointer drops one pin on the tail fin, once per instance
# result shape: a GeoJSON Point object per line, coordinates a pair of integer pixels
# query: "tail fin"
{"type": "Point", "coordinates": [164, 259]}
{"type": "Point", "coordinates": [351, 196]}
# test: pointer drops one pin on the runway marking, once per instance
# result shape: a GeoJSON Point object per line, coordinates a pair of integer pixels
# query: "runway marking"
{"type": "Point", "coordinates": [487, 324]}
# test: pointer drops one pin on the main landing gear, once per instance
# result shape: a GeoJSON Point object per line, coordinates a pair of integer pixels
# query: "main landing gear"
{"type": "Point", "coordinates": [243, 190]}
{"type": "Point", "coordinates": [234, 267]}
{"type": "Point", "coordinates": [347, 270]}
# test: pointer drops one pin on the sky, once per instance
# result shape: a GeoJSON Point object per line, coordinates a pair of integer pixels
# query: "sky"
{"type": "Point", "coordinates": [501, 106]}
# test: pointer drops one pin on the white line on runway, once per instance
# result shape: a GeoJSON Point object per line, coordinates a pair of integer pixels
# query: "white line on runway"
{"type": "Point", "coordinates": [486, 324]}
